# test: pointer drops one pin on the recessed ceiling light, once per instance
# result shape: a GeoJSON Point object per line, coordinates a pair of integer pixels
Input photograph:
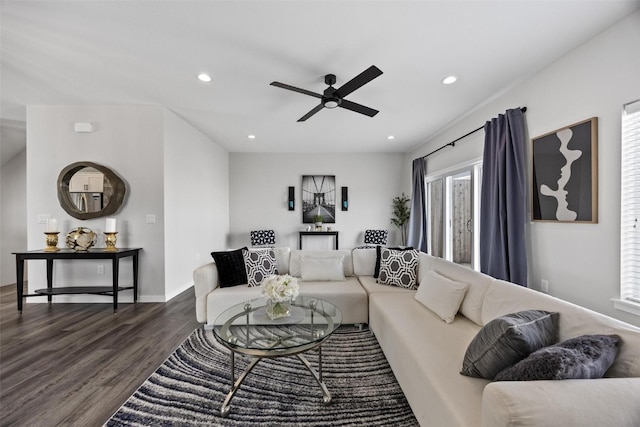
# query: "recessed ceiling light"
{"type": "Point", "coordinates": [251, 136]}
{"type": "Point", "coordinates": [390, 137]}
{"type": "Point", "coordinates": [448, 80]}
{"type": "Point", "coordinates": [204, 77]}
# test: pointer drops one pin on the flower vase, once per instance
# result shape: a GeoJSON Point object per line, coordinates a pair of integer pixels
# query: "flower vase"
{"type": "Point", "coordinates": [278, 309]}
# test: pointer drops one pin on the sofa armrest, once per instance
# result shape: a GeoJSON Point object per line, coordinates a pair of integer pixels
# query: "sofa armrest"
{"type": "Point", "coordinates": [600, 402]}
{"type": "Point", "coordinates": [205, 280]}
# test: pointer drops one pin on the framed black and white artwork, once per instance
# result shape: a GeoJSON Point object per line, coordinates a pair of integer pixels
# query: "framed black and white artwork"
{"type": "Point", "coordinates": [319, 198]}
{"type": "Point", "coordinates": [564, 174]}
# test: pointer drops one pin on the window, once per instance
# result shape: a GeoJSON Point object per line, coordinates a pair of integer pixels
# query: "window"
{"type": "Point", "coordinates": [630, 210]}
{"type": "Point", "coordinates": [453, 211]}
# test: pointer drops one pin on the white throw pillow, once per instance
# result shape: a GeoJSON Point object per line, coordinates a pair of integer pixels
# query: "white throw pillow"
{"type": "Point", "coordinates": [441, 295]}
{"type": "Point", "coordinates": [321, 269]}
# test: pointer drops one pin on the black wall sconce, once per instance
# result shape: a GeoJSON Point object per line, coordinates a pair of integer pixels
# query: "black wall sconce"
{"type": "Point", "coordinates": [292, 201]}
{"type": "Point", "coordinates": [345, 199]}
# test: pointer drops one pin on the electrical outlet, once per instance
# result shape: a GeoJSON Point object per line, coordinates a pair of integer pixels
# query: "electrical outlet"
{"type": "Point", "coordinates": [100, 269]}
{"type": "Point", "coordinates": [43, 218]}
{"type": "Point", "coordinates": [544, 286]}
{"type": "Point", "coordinates": [150, 219]}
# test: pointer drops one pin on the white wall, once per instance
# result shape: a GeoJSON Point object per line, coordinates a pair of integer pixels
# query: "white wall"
{"type": "Point", "coordinates": [581, 261]}
{"type": "Point", "coordinates": [259, 188]}
{"type": "Point", "coordinates": [129, 141]}
{"type": "Point", "coordinates": [196, 191]}
{"type": "Point", "coordinates": [13, 203]}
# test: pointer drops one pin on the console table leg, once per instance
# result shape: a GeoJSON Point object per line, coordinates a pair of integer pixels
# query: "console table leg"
{"type": "Point", "coordinates": [135, 277]}
{"type": "Point", "coordinates": [116, 265]}
{"type": "Point", "coordinates": [50, 279]}
{"type": "Point", "coordinates": [19, 280]}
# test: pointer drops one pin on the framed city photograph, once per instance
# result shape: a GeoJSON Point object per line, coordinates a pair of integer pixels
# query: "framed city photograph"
{"type": "Point", "coordinates": [319, 198]}
{"type": "Point", "coordinates": [564, 174]}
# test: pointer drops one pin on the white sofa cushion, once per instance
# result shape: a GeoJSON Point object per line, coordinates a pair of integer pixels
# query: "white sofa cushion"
{"type": "Point", "coordinates": [441, 295]}
{"type": "Point", "coordinates": [370, 285]}
{"type": "Point", "coordinates": [478, 283]}
{"type": "Point", "coordinates": [364, 261]}
{"type": "Point", "coordinates": [324, 269]}
{"type": "Point", "coordinates": [224, 298]}
{"type": "Point", "coordinates": [348, 296]}
{"type": "Point", "coordinates": [282, 256]}
{"type": "Point", "coordinates": [504, 297]}
{"type": "Point", "coordinates": [604, 402]}
{"type": "Point", "coordinates": [295, 261]}
{"type": "Point", "coordinates": [425, 355]}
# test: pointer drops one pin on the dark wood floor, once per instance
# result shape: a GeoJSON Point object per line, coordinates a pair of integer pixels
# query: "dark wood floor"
{"type": "Point", "coordinates": [75, 364]}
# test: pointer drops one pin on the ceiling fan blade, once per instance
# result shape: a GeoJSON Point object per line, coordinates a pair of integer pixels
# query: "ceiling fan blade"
{"type": "Point", "coordinates": [296, 89]}
{"type": "Point", "coordinates": [358, 81]}
{"type": "Point", "coordinates": [311, 113]}
{"type": "Point", "coordinates": [358, 108]}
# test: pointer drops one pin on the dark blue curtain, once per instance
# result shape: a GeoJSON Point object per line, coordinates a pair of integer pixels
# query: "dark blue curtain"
{"type": "Point", "coordinates": [417, 233]}
{"type": "Point", "coordinates": [503, 199]}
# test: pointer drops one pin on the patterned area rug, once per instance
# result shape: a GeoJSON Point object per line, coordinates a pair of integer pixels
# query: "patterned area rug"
{"type": "Point", "coordinates": [190, 386]}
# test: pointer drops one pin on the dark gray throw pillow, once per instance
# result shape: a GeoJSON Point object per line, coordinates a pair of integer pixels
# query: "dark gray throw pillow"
{"type": "Point", "coordinates": [231, 269]}
{"type": "Point", "coordinates": [584, 357]}
{"type": "Point", "coordinates": [508, 339]}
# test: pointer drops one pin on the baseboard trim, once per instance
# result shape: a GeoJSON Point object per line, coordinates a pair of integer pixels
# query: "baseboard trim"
{"type": "Point", "coordinates": [178, 291]}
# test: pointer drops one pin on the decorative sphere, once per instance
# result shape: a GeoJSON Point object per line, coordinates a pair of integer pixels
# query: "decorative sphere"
{"type": "Point", "coordinates": [81, 239]}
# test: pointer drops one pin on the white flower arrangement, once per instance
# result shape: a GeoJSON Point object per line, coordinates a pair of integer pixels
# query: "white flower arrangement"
{"type": "Point", "coordinates": [280, 288]}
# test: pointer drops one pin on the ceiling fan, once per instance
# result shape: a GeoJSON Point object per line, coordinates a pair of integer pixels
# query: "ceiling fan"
{"type": "Point", "coordinates": [332, 97]}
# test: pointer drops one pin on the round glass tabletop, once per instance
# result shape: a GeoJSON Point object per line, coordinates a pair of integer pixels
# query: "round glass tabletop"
{"type": "Point", "coordinates": [247, 328]}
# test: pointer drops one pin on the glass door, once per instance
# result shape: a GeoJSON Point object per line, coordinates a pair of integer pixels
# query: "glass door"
{"type": "Point", "coordinates": [452, 207]}
{"type": "Point", "coordinates": [461, 218]}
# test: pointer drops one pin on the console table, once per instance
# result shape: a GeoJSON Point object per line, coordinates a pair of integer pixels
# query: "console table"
{"type": "Point", "coordinates": [99, 253]}
{"type": "Point", "coordinates": [319, 233]}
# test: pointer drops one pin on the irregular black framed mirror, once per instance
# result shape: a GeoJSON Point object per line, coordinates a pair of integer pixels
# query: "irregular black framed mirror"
{"type": "Point", "coordinates": [87, 190]}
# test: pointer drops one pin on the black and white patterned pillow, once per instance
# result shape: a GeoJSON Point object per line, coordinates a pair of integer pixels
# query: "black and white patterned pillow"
{"type": "Point", "coordinates": [263, 237]}
{"type": "Point", "coordinates": [376, 270]}
{"type": "Point", "coordinates": [399, 268]}
{"type": "Point", "coordinates": [259, 264]}
{"type": "Point", "coordinates": [375, 237]}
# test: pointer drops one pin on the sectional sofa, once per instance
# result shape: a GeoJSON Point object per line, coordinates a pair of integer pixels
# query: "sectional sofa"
{"type": "Point", "coordinates": [426, 336]}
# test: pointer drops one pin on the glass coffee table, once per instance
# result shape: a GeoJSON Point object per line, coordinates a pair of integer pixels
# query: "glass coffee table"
{"type": "Point", "coordinates": [246, 329]}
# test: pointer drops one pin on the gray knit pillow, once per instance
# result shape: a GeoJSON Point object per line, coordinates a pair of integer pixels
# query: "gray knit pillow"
{"type": "Point", "coordinates": [584, 357]}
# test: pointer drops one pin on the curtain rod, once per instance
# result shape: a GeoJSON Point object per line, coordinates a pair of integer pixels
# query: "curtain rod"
{"type": "Point", "coordinates": [453, 143]}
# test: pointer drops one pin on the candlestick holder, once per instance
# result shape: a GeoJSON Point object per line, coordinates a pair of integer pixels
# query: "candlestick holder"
{"type": "Point", "coordinates": [52, 241]}
{"type": "Point", "coordinates": [110, 240]}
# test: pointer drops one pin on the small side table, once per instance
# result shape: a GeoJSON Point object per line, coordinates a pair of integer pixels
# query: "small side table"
{"type": "Point", "coordinates": [99, 253]}
{"type": "Point", "coordinates": [319, 233]}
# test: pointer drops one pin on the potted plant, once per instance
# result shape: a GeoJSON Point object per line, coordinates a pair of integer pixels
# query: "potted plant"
{"type": "Point", "coordinates": [401, 215]}
{"type": "Point", "coordinates": [317, 219]}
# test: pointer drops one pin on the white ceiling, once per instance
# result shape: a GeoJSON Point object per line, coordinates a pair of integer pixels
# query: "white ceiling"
{"type": "Point", "coordinates": [149, 53]}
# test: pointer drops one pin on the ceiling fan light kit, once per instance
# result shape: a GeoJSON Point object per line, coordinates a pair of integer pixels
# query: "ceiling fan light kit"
{"type": "Point", "coordinates": [333, 98]}
{"type": "Point", "coordinates": [331, 102]}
